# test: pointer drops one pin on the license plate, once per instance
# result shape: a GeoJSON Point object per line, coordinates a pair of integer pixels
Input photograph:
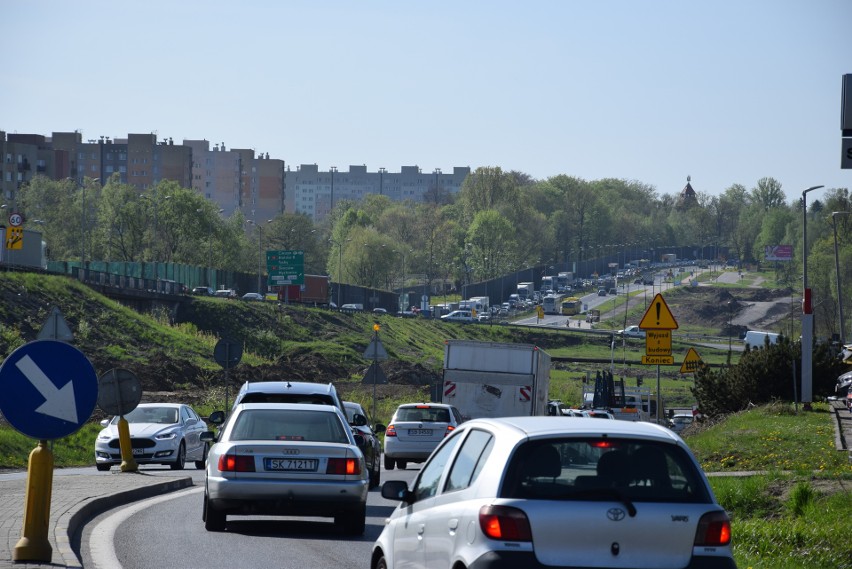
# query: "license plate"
{"type": "Point", "coordinates": [291, 464]}
{"type": "Point", "coordinates": [138, 451]}
{"type": "Point", "coordinates": [419, 432]}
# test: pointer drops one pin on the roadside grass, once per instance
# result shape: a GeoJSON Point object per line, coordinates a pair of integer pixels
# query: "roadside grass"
{"type": "Point", "coordinates": [794, 512]}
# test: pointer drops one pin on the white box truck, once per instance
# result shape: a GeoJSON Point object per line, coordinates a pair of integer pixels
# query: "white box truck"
{"type": "Point", "coordinates": [490, 379]}
{"type": "Point", "coordinates": [525, 290]}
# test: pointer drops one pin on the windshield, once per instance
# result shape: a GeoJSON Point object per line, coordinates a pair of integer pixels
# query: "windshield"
{"type": "Point", "coordinates": [161, 415]}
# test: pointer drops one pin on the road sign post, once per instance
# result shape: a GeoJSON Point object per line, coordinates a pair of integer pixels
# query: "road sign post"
{"type": "Point", "coordinates": [50, 391]}
{"type": "Point", "coordinates": [285, 267]}
{"type": "Point", "coordinates": [119, 392]}
{"type": "Point", "coordinates": [658, 322]}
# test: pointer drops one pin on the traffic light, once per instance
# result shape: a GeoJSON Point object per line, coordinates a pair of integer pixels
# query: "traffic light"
{"type": "Point", "coordinates": [638, 382]}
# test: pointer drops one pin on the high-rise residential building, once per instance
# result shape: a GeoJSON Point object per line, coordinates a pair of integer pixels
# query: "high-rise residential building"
{"type": "Point", "coordinates": [314, 192]}
{"type": "Point", "coordinates": [236, 180]}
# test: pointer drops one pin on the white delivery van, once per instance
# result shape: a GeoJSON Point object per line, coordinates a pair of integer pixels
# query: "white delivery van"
{"type": "Point", "coordinates": [757, 339]}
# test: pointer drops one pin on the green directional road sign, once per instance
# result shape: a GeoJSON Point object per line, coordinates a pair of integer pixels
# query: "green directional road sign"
{"type": "Point", "coordinates": [285, 267]}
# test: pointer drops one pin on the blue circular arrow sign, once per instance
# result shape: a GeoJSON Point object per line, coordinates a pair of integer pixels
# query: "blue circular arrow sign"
{"type": "Point", "coordinates": [48, 389]}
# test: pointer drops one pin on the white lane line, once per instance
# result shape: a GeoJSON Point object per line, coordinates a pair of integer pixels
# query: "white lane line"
{"type": "Point", "coordinates": [101, 540]}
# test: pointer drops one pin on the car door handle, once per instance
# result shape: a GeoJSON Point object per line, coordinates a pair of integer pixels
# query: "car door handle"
{"type": "Point", "coordinates": [421, 528]}
{"type": "Point", "coordinates": [453, 524]}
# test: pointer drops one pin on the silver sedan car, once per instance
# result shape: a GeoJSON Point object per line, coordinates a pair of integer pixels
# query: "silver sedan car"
{"type": "Point", "coordinates": [160, 433]}
{"type": "Point", "coordinates": [286, 459]}
{"type": "Point", "coordinates": [556, 492]}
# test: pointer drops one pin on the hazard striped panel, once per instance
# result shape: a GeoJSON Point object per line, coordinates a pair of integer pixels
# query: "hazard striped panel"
{"type": "Point", "coordinates": [449, 389]}
{"type": "Point", "coordinates": [524, 393]}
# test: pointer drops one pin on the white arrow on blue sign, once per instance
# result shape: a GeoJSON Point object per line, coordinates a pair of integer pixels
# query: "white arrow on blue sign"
{"type": "Point", "coordinates": [48, 389]}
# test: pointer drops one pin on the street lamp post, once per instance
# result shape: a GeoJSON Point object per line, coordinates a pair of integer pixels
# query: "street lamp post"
{"type": "Point", "coordinates": [807, 310]}
{"type": "Point", "coordinates": [339, 245]}
{"type": "Point", "coordinates": [259, 254]}
{"type": "Point", "coordinates": [156, 202]}
{"type": "Point", "coordinates": [332, 170]}
{"type": "Point", "coordinates": [834, 215]}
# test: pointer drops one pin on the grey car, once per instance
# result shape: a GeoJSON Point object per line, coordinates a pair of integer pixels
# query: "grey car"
{"type": "Point", "coordinates": [286, 460]}
{"type": "Point", "coordinates": [556, 492]}
{"type": "Point", "coordinates": [415, 430]}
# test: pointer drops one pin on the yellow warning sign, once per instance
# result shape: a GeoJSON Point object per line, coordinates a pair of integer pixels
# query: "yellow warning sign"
{"type": "Point", "coordinates": [658, 316]}
{"type": "Point", "coordinates": [658, 360]}
{"type": "Point", "coordinates": [692, 362]}
{"type": "Point", "coordinates": [658, 343]}
{"type": "Point", "coordinates": [14, 237]}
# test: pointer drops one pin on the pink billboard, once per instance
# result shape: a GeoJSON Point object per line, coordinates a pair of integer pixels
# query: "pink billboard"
{"type": "Point", "coordinates": [778, 252]}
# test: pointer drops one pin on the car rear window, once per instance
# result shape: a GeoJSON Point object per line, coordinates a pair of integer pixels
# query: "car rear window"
{"type": "Point", "coordinates": [424, 414]}
{"type": "Point", "coordinates": [313, 399]}
{"type": "Point", "coordinates": [288, 425]}
{"type": "Point", "coordinates": [603, 469]}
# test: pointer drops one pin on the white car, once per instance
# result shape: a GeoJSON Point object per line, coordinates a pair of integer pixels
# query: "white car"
{"type": "Point", "coordinates": [632, 332]}
{"type": "Point", "coordinates": [160, 433]}
{"type": "Point", "coordinates": [415, 430]}
{"type": "Point", "coordinates": [286, 460]}
{"type": "Point", "coordinates": [536, 492]}
{"type": "Point", "coordinates": [459, 316]}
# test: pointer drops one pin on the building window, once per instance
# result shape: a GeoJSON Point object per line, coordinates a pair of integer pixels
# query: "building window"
{"type": "Point", "coordinates": [122, 156]}
{"type": "Point", "coordinates": [109, 169]}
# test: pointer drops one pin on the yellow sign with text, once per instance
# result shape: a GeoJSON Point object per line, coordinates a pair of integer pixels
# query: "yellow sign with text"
{"type": "Point", "coordinates": [658, 342]}
{"type": "Point", "coordinates": [658, 360]}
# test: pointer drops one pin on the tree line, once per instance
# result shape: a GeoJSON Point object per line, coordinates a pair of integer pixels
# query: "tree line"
{"type": "Point", "coordinates": [498, 223]}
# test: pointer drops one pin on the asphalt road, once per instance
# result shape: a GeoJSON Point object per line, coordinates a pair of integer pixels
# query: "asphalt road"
{"type": "Point", "coordinates": [167, 533]}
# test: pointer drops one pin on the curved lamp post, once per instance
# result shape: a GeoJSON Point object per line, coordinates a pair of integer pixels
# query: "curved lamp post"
{"type": "Point", "coordinates": [807, 310]}
{"type": "Point", "coordinates": [834, 215]}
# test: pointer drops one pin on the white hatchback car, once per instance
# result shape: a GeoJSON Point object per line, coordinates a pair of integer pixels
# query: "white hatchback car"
{"type": "Point", "coordinates": [415, 430]}
{"type": "Point", "coordinates": [536, 492]}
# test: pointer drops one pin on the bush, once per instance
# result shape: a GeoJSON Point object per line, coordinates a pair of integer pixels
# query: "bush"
{"type": "Point", "coordinates": [763, 375]}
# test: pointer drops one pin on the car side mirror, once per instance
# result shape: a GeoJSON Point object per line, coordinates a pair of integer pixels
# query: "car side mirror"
{"type": "Point", "coordinates": [360, 441]}
{"type": "Point", "coordinates": [217, 417]}
{"type": "Point", "coordinates": [379, 428]}
{"type": "Point", "coordinates": [397, 490]}
{"type": "Point", "coordinates": [104, 423]}
{"type": "Point", "coordinates": [359, 420]}
{"type": "Point", "coordinates": [207, 437]}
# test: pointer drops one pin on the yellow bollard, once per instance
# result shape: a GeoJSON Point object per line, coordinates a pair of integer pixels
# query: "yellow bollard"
{"type": "Point", "coordinates": [128, 463]}
{"type": "Point", "coordinates": [34, 545]}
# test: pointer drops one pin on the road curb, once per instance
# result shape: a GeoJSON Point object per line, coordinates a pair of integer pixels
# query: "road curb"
{"type": "Point", "coordinates": [68, 526]}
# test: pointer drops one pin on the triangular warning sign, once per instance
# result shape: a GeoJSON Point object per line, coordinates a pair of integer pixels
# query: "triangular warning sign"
{"type": "Point", "coordinates": [692, 362]}
{"type": "Point", "coordinates": [55, 327]}
{"type": "Point", "coordinates": [375, 375]}
{"type": "Point", "coordinates": [658, 316]}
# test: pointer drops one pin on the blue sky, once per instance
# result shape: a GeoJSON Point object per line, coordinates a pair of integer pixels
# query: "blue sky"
{"type": "Point", "coordinates": [727, 91]}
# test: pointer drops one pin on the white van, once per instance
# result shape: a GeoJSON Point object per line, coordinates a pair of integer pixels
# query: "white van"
{"type": "Point", "coordinates": [756, 339]}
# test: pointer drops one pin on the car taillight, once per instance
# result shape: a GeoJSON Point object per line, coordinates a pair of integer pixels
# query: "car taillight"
{"type": "Point", "coordinates": [236, 463]}
{"type": "Point", "coordinates": [390, 431]}
{"type": "Point", "coordinates": [450, 429]}
{"type": "Point", "coordinates": [504, 523]}
{"type": "Point", "coordinates": [714, 529]}
{"type": "Point", "coordinates": [343, 466]}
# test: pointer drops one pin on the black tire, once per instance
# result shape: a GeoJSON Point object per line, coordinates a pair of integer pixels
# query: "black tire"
{"type": "Point", "coordinates": [389, 463]}
{"type": "Point", "coordinates": [214, 520]}
{"type": "Point", "coordinates": [200, 464]}
{"type": "Point", "coordinates": [382, 563]}
{"type": "Point", "coordinates": [103, 467]}
{"type": "Point", "coordinates": [353, 522]}
{"type": "Point", "coordinates": [180, 460]}
{"type": "Point", "coordinates": [401, 464]}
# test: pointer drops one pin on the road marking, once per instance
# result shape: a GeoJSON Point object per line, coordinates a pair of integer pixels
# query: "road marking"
{"type": "Point", "coordinates": [101, 540]}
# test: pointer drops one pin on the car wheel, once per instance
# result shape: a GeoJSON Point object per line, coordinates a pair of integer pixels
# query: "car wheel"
{"type": "Point", "coordinates": [354, 522]}
{"type": "Point", "coordinates": [103, 467]}
{"type": "Point", "coordinates": [214, 519]}
{"type": "Point", "coordinates": [401, 464]}
{"type": "Point", "coordinates": [389, 463]}
{"type": "Point", "coordinates": [180, 461]}
{"type": "Point", "coordinates": [382, 563]}
{"type": "Point", "coordinates": [200, 464]}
